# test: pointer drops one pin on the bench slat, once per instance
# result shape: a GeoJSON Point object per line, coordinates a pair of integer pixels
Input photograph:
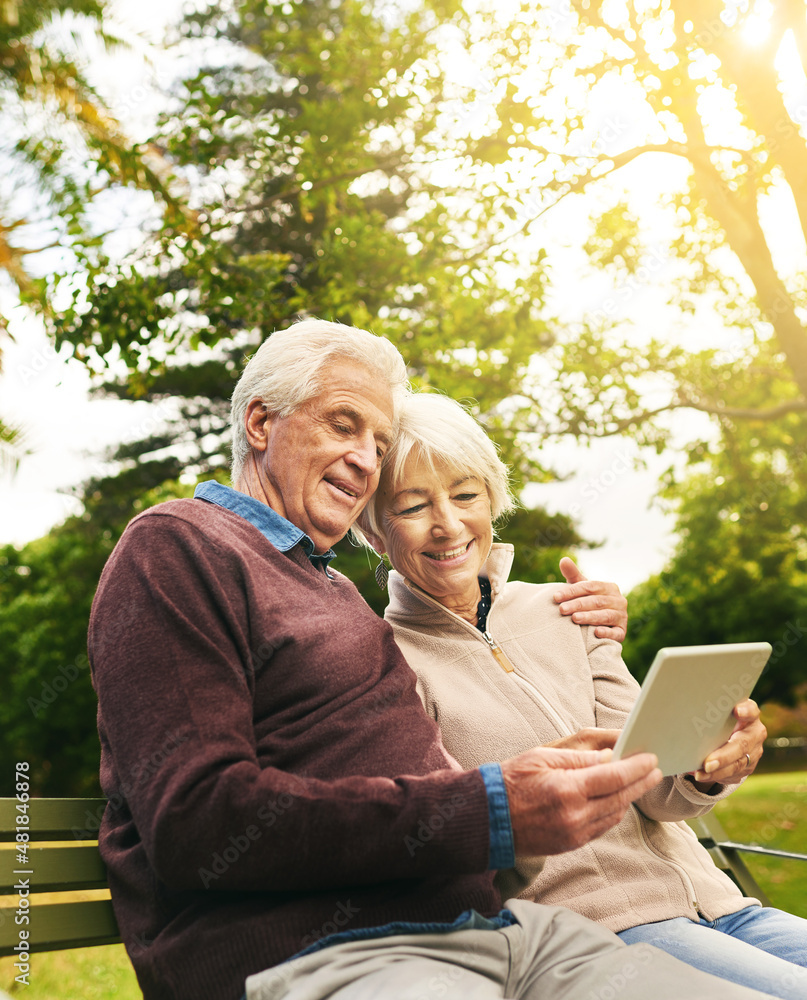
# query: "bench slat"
{"type": "Point", "coordinates": [54, 868]}
{"type": "Point", "coordinates": [54, 819]}
{"type": "Point", "coordinates": [54, 926]}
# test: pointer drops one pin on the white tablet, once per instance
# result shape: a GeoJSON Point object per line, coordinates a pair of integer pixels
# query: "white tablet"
{"type": "Point", "coordinates": [683, 711]}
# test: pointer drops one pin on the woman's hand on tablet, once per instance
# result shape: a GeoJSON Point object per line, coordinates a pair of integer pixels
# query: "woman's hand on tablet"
{"type": "Point", "coordinates": [740, 754]}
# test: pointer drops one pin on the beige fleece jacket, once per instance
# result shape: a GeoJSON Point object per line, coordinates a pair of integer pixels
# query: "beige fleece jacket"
{"type": "Point", "coordinates": [650, 866]}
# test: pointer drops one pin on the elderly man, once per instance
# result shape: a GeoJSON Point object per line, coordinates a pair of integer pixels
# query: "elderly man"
{"type": "Point", "coordinates": [276, 789]}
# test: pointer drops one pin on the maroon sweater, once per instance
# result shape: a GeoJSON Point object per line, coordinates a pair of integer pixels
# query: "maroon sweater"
{"type": "Point", "coordinates": [271, 773]}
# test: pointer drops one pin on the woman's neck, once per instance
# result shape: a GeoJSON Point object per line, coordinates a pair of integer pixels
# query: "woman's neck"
{"type": "Point", "coordinates": [465, 605]}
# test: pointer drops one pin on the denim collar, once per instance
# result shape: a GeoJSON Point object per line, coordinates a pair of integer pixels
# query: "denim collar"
{"type": "Point", "coordinates": [281, 533]}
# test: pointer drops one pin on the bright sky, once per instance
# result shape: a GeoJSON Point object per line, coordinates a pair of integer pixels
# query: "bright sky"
{"type": "Point", "coordinates": [610, 500]}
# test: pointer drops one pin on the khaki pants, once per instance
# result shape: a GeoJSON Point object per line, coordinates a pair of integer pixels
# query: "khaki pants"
{"type": "Point", "coordinates": [550, 954]}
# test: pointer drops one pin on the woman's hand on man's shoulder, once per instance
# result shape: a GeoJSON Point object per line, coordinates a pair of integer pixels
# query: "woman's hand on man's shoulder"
{"type": "Point", "coordinates": [592, 602]}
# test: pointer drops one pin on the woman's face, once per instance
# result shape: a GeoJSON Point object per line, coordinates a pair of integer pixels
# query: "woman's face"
{"type": "Point", "coordinates": [437, 529]}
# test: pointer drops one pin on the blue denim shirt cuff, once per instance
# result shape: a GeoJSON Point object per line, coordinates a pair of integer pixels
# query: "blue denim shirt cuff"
{"type": "Point", "coordinates": [502, 852]}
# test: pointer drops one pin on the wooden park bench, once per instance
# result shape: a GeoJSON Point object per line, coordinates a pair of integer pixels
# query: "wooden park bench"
{"type": "Point", "coordinates": [60, 867]}
{"type": "Point", "coordinates": [57, 867]}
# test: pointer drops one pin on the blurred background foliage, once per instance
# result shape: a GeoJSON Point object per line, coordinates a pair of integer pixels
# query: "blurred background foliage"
{"type": "Point", "coordinates": [328, 158]}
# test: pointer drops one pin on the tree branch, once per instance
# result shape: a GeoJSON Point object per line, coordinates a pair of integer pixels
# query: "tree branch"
{"type": "Point", "coordinates": [636, 419]}
{"type": "Point", "coordinates": [748, 412]}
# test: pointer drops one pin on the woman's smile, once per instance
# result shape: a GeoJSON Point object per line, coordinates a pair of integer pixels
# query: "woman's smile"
{"type": "Point", "coordinates": [438, 532]}
{"type": "Point", "coordinates": [450, 554]}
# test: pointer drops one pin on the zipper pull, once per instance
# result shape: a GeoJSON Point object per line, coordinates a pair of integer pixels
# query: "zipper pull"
{"type": "Point", "coordinates": [499, 653]}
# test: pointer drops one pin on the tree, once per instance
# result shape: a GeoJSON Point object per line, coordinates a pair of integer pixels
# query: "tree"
{"type": "Point", "coordinates": [693, 86]}
{"type": "Point", "coordinates": [312, 151]}
{"type": "Point", "coordinates": [61, 148]}
{"type": "Point", "coordinates": [11, 442]}
{"type": "Point", "coordinates": [715, 88]}
{"type": "Point", "coordinates": [739, 573]}
{"type": "Point", "coordinates": [61, 151]}
{"type": "Point", "coordinates": [311, 122]}
{"type": "Point", "coordinates": [335, 180]}
{"type": "Point", "coordinates": [48, 709]}
{"type": "Point", "coordinates": [724, 104]}
{"type": "Point", "coordinates": [324, 152]}
{"type": "Point", "coordinates": [314, 145]}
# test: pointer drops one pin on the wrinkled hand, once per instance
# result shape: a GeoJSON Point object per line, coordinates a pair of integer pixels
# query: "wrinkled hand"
{"type": "Point", "coordinates": [729, 763]}
{"type": "Point", "coordinates": [587, 739]}
{"type": "Point", "coordinates": [592, 602]}
{"type": "Point", "coordinates": [562, 799]}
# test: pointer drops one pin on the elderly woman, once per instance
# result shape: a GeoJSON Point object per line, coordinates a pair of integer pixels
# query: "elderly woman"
{"type": "Point", "coordinates": [501, 671]}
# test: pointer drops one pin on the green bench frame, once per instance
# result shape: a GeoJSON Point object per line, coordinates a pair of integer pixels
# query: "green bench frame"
{"type": "Point", "coordinates": [59, 868]}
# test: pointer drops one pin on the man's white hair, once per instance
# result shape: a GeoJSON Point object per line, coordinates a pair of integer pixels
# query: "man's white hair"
{"type": "Point", "coordinates": [291, 367]}
{"type": "Point", "coordinates": [444, 435]}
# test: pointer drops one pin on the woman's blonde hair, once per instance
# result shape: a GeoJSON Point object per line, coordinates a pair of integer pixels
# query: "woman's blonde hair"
{"type": "Point", "coordinates": [442, 433]}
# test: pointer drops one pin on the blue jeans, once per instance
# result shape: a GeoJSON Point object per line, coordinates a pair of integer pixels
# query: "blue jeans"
{"type": "Point", "coordinates": [759, 947]}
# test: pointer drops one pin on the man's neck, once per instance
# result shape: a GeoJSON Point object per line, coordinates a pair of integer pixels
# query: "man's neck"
{"type": "Point", "coordinates": [250, 482]}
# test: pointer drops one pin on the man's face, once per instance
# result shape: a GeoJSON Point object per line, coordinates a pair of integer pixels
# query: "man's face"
{"type": "Point", "coordinates": [321, 465]}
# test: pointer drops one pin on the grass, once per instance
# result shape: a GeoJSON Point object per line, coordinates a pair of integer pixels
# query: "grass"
{"type": "Point", "coordinates": [769, 809]}
{"type": "Point", "coordinates": [102, 973]}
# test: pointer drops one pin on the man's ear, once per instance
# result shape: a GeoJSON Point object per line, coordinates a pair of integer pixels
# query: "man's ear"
{"type": "Point", "coordinates": [256, 424]}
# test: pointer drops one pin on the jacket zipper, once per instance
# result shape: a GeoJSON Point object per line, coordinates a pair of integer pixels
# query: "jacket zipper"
{"type": "Point", "coordinates": [504, 662]}
{"type": "Point", "coordinates": [496, 649]}
{"type": "Point", "coordinates": [662, 857]}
